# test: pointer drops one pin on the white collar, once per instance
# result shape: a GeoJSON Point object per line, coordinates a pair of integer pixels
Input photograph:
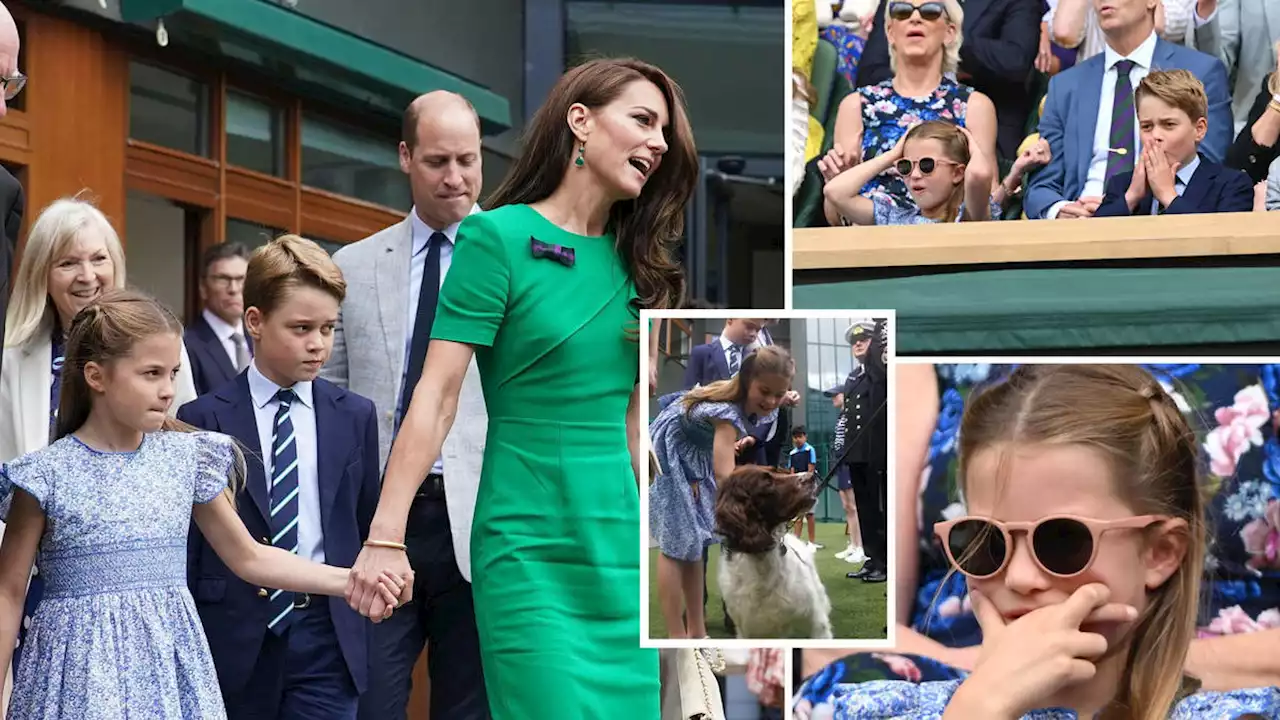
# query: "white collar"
{"type": "Point", "coordinates": [263, 390]}
{"type": "Point", "coordinates": [1186, 171]}
{"type": "Point", "coordinates": [1143, 55]}
{"type": "Point", "coordinates": [422, 232]}
{"type": "Point", "coordinates": [221, 328]}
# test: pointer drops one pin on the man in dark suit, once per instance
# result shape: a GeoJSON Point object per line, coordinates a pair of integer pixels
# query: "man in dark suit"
{"type": "Point", "coordinates": [866, 431]}
{"type": "Point", "coordinates": [12, 202]}
{"type": "Point", "coordinates": [216, 341]}
{"type": "Point", "coordinates": [1001, 38]}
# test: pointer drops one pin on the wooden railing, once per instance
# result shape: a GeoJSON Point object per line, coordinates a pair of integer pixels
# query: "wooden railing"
{"type": "Point", "coordinates": [1242, 236]}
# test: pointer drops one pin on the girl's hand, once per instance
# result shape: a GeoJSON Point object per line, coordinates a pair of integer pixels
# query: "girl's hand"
{"type": "Point", "coordinates": [834, 162]}
{"type": "Point", "coordinates": [895, 154]}
{"type": "Point", "coordinates": [980, 167]}
{"type": "Point", "coordinates": [743, 444]}
{"type": "Point", "coordinates": [1024, 663]}
{"type": "Point", "coordinates": [1038, 155]}
{"type": "Point", "coordinates": [390, 595]}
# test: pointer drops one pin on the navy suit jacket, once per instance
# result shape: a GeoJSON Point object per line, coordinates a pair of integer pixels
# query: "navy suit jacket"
{"type": "Point", "coordinates": [211, 368]}
{"type": "Point", "coordinates": [1071, 112]}
{"type": "Point", "coordinates": [234, 615]}
{"type": "Point", "coordinates": [707, 364]}
{"type": "Point", "coordinates": [1213, 188]}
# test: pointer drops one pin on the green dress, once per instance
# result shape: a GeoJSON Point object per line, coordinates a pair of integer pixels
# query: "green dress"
{"type": "Point", "coordinates": [555, 542]}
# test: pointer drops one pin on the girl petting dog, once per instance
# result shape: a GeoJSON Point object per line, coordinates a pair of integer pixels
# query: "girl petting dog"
{"type": "Point", "coordinates": [695, 438]}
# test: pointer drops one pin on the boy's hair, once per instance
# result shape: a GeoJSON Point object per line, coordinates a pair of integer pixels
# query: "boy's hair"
{"type": "Point", "coordinates": [797, 431]}
{"type": "Point", "coordinates": [1175, 88]}
{"type": "Point", "coordinates": [106, 331]}
{"type": "Point", "coordinates": [768, 360]}
{"type": "Point", "coordinates": [287, 263]}
{"type": "Point", "coordinates": [1121, 412]}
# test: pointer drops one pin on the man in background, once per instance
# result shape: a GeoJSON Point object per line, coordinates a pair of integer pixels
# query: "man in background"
{"type": "Point", "coordinates": [11, 198]}
{"type": "Point", "coordinates": [216, 341]}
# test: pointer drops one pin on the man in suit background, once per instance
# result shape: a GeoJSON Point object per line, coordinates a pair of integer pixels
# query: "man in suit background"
{"type": "Point", "coordinates": [1001, 38]}
{"type": "Point", "coordinates": [1101, 139]}
{"type": "Point", "coordinates": [866, 432]}
{"type": "Point", "coordinates": [393, 280]}
{"type": "Point", "coordinates": [12, 201]}
{"type": "Point", "coordinates": [216, 341]}
{"type": "Point", "coordinates": [1243, 35]}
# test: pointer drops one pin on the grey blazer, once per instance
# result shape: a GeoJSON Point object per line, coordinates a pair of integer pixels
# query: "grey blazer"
{"type": "Point", "coordinates": [368, 359]}
{"type": "Point", "coordinates": [1243, 35]}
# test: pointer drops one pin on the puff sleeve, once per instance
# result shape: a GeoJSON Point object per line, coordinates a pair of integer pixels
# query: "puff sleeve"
{"type": "Point", "coordinates": [29, 474]}
{"type": "Point", "coordinates": [215, 454]}
{"type": "Point", "coordinates": [473, 299]}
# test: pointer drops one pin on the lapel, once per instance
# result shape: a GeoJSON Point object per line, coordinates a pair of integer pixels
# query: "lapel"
{"type": "Point", "coordinates": [33, 397]}
{"type": "Point", "coordinates": [973, 11]}
{"type": "Point", "coordinates": [237, 418]}
{"type": "Point", "coordinates": [718, 359]}
{"type": "Point", "coordinates": [1162, 58]}
{"type": "Point", "coordinates": [1089, 94]}
{"type": "Point", "coordinates": [332, 445]}
{"type": "Point", "coordinates": [392, 280]}
{"type": "Point", "coordinates": [1194, 193]}
{"type": "Point", "coordinates": [211, 346]}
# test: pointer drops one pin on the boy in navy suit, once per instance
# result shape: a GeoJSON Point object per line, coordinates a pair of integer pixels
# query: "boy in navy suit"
{"type": "Point", "coordinates": [1171, 176]}
{"type": "Point", "coordinates": [312, 488]}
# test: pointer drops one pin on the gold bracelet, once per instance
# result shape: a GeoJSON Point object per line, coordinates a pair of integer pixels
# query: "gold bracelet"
{"type": "Point", "coordinates": [385, 544]}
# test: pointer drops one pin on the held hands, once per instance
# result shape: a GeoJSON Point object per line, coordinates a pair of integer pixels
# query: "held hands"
{"type": "Point", "coordinates": [837, 160]}
{"type": "Point", "coordinates": [1085, 207]}
{"type": "Point", "coordinates": [380, 581]}
{"type": "Point", "coordinates": [1023, 664]}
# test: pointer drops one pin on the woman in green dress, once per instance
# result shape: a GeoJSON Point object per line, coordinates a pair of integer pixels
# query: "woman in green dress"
{"type": "Point", "coordinates": [545, 289]}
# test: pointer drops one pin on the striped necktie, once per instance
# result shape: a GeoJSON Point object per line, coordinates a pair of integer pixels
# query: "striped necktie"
{"type": "Point", "coordinates": [735, 360]}
{"type": "Point", "coordinates": [1121, 157]}
{"type": "Point", "coordinates": [284, 501]}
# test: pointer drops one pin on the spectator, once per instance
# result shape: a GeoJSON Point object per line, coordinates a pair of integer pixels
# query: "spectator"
{"type": "Point", "coordinates": [1243, 35]}
{"type": "Point", "coordinates": [1255, 146]}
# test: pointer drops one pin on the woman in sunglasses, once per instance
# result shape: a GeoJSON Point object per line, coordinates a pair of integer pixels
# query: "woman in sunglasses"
{"type": "Point", "coordinates": [1082, 547]}
{"type": "Point", "coordinates": [947, 182]}
{"type": "Point", "coordinates": [924, 51]}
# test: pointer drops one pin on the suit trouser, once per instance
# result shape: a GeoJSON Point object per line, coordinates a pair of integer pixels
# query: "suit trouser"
{"type": "Point", "coordinates": [441, 616]}
{"type": "Point", "coordinates": [300, 674]}
{"type": "Point", "coordinates": [869, 495]}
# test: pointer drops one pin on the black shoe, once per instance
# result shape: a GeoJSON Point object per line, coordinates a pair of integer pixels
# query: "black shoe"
{"type": "Point", "coordinates": [859, 573]}
{"type": "Point", "coordinates": [875, 576]}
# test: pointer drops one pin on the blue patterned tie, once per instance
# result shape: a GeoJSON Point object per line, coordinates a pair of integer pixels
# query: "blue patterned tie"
{"type": "Point", "coordinates": [735, 360]}
{"type": "Point", "coordinates": [284, 502]}
{"type": "Point", "coordinates": [1122, 119]}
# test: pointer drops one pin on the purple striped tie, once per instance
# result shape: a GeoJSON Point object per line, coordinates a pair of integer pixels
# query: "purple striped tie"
{"type": "Point", "coordinates": [1121, 123]}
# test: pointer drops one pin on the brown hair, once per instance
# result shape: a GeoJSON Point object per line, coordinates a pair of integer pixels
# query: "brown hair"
{"type": "Point", "coordinates": [648, 228]}
{"type": "Point", "coordinates": [955, 146]}
{"type": "Point", "coordinates": [221, 251]}
{"type": "Point", "coordinates": [1123, 413]}
{"type": "Point", "coordinates": [1175, 88]}
{"type": "Point", "coordinates": [106, 331]}
{"type": "Point", "coordinates": [754, 500]}
{"type": "Point", "coordinates": [768, 360]}
{"type": "Point", "coordinates": [286, 263]}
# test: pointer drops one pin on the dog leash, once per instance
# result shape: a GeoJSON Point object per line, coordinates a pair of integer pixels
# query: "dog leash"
{"type": "Point", "coordinates": [848, 447]}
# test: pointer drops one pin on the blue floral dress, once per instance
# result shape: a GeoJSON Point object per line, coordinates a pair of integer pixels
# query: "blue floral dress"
{"type": "Point", "coordinates": [116, 636]}
{"type": "Point", "coordinates": [682, 520]}
{"type": "Point", "coordinates": [848, 46]}
{"type": "Point", "coordinates": [886, 117]}
{"type": "Point", "coordinates": [887, 212]}
{"type": "Point", "coordinates": [1235, 413]}
{"type": "Point", "coordinates": [927, 701]}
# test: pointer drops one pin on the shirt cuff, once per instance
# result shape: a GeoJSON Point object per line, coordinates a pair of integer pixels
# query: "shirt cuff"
{"type": "Point", "coordinates": [1054, 209]}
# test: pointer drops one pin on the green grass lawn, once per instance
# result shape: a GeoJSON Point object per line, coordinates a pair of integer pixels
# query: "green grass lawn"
{"type": "Point", "coordinates": [858, 609]}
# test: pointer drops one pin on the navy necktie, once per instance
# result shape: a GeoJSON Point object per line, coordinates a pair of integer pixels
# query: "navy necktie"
{"type": "Point", "coordinates": [1122, 118]}
{"type": "Point", "coordinates": [424, 317]}
{"type": "Point", "coordinates": [284, 501]}
{"type": "Point", "coordinates": [735, 360]}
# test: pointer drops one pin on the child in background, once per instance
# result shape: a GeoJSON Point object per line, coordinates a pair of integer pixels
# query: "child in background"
{"type": "Point", "coordinates": [107, 506]}
{"type": "Point", "coordinates": [695, 437]}
{"type": "Point", "coordinates": [803, 459]}
{"type": "Point", "coordinates": [948, 177]}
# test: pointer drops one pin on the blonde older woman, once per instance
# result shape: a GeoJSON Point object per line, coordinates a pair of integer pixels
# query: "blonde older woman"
{"type": "Point", "coordinates": [924, 51]}
{"type": "Point", "coordinates": [72, 256]}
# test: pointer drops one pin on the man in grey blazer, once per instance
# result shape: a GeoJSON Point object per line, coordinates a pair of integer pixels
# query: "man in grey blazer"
{"type": "Point", "coordinates": [1243, 34]}
{"type": "Point", "coordinates": [393, 282]}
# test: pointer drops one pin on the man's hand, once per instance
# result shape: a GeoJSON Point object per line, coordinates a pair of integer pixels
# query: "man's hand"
{"type": "Point", "coordinates": [363, 585]}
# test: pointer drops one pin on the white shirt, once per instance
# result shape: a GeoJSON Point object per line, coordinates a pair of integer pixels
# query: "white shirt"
{"type": "Point", "coordinates": [1180, 23]}
{"type": "Point", "coordinates": [302, 413]}
{"type": "Point", "coordinates": [418, 264]}
{"type": "Point", "coordinates": [224, 332]}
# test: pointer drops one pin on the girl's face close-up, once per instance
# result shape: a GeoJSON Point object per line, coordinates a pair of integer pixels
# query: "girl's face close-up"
{"type": "Point", "coordinates": [1039, 481]}
{"type": "Point", "coordinates": [138, 388]}
{"type": "Point", "coordinates": [626, 144]}
{"type": "Point", "coordinates": [765, 393]}
{"type": "Point", "coordinates": [80, 274]}
{"type": "Point", "coordinates": [930, 175]}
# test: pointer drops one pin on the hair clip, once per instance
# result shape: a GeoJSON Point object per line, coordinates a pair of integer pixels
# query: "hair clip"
{"type": "Point", "coordinates": [559, 253]}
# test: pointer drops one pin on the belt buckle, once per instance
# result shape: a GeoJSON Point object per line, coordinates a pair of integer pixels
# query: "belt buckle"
{"type": "Point", "coordinates": [301, 601]}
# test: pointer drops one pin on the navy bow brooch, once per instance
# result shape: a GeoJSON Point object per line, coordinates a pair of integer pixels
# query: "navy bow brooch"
{"type": "Point", "coordinates": [559, 253]}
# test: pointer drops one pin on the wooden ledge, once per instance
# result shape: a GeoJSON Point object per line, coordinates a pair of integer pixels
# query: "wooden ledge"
{"type": "Point", "coordinates": [1029, 241]}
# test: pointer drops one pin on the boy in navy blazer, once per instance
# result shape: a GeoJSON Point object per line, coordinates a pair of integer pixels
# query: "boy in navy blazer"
{"type": "Point", "coordinates": [312, 487]}
{"type": "Point", "coordinates": [1171, 176]}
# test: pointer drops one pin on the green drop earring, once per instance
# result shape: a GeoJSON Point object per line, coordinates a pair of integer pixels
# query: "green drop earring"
{"type": "Point", "coordinates": [581, 160]}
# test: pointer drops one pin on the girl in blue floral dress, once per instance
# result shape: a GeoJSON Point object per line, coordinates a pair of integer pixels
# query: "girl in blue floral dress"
{"type": "Point", "coordinates": [1232, 409]}
{"type": "Point", "coordinates": [107, 507]}
{"type": "Point", "coordinates": [695, 438]}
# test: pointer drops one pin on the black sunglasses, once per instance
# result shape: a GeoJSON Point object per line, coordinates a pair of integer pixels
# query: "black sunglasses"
{"type": "Point", "coordinates": [927, 165]}
{"type": "Point", "coordinates": [929, 11]}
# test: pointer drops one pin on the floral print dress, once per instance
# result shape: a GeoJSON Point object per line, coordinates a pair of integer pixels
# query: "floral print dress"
{"type": "Point", "coordinates": [1235, 413]}
{"type": "Point", "coordinates": [886, 117]}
